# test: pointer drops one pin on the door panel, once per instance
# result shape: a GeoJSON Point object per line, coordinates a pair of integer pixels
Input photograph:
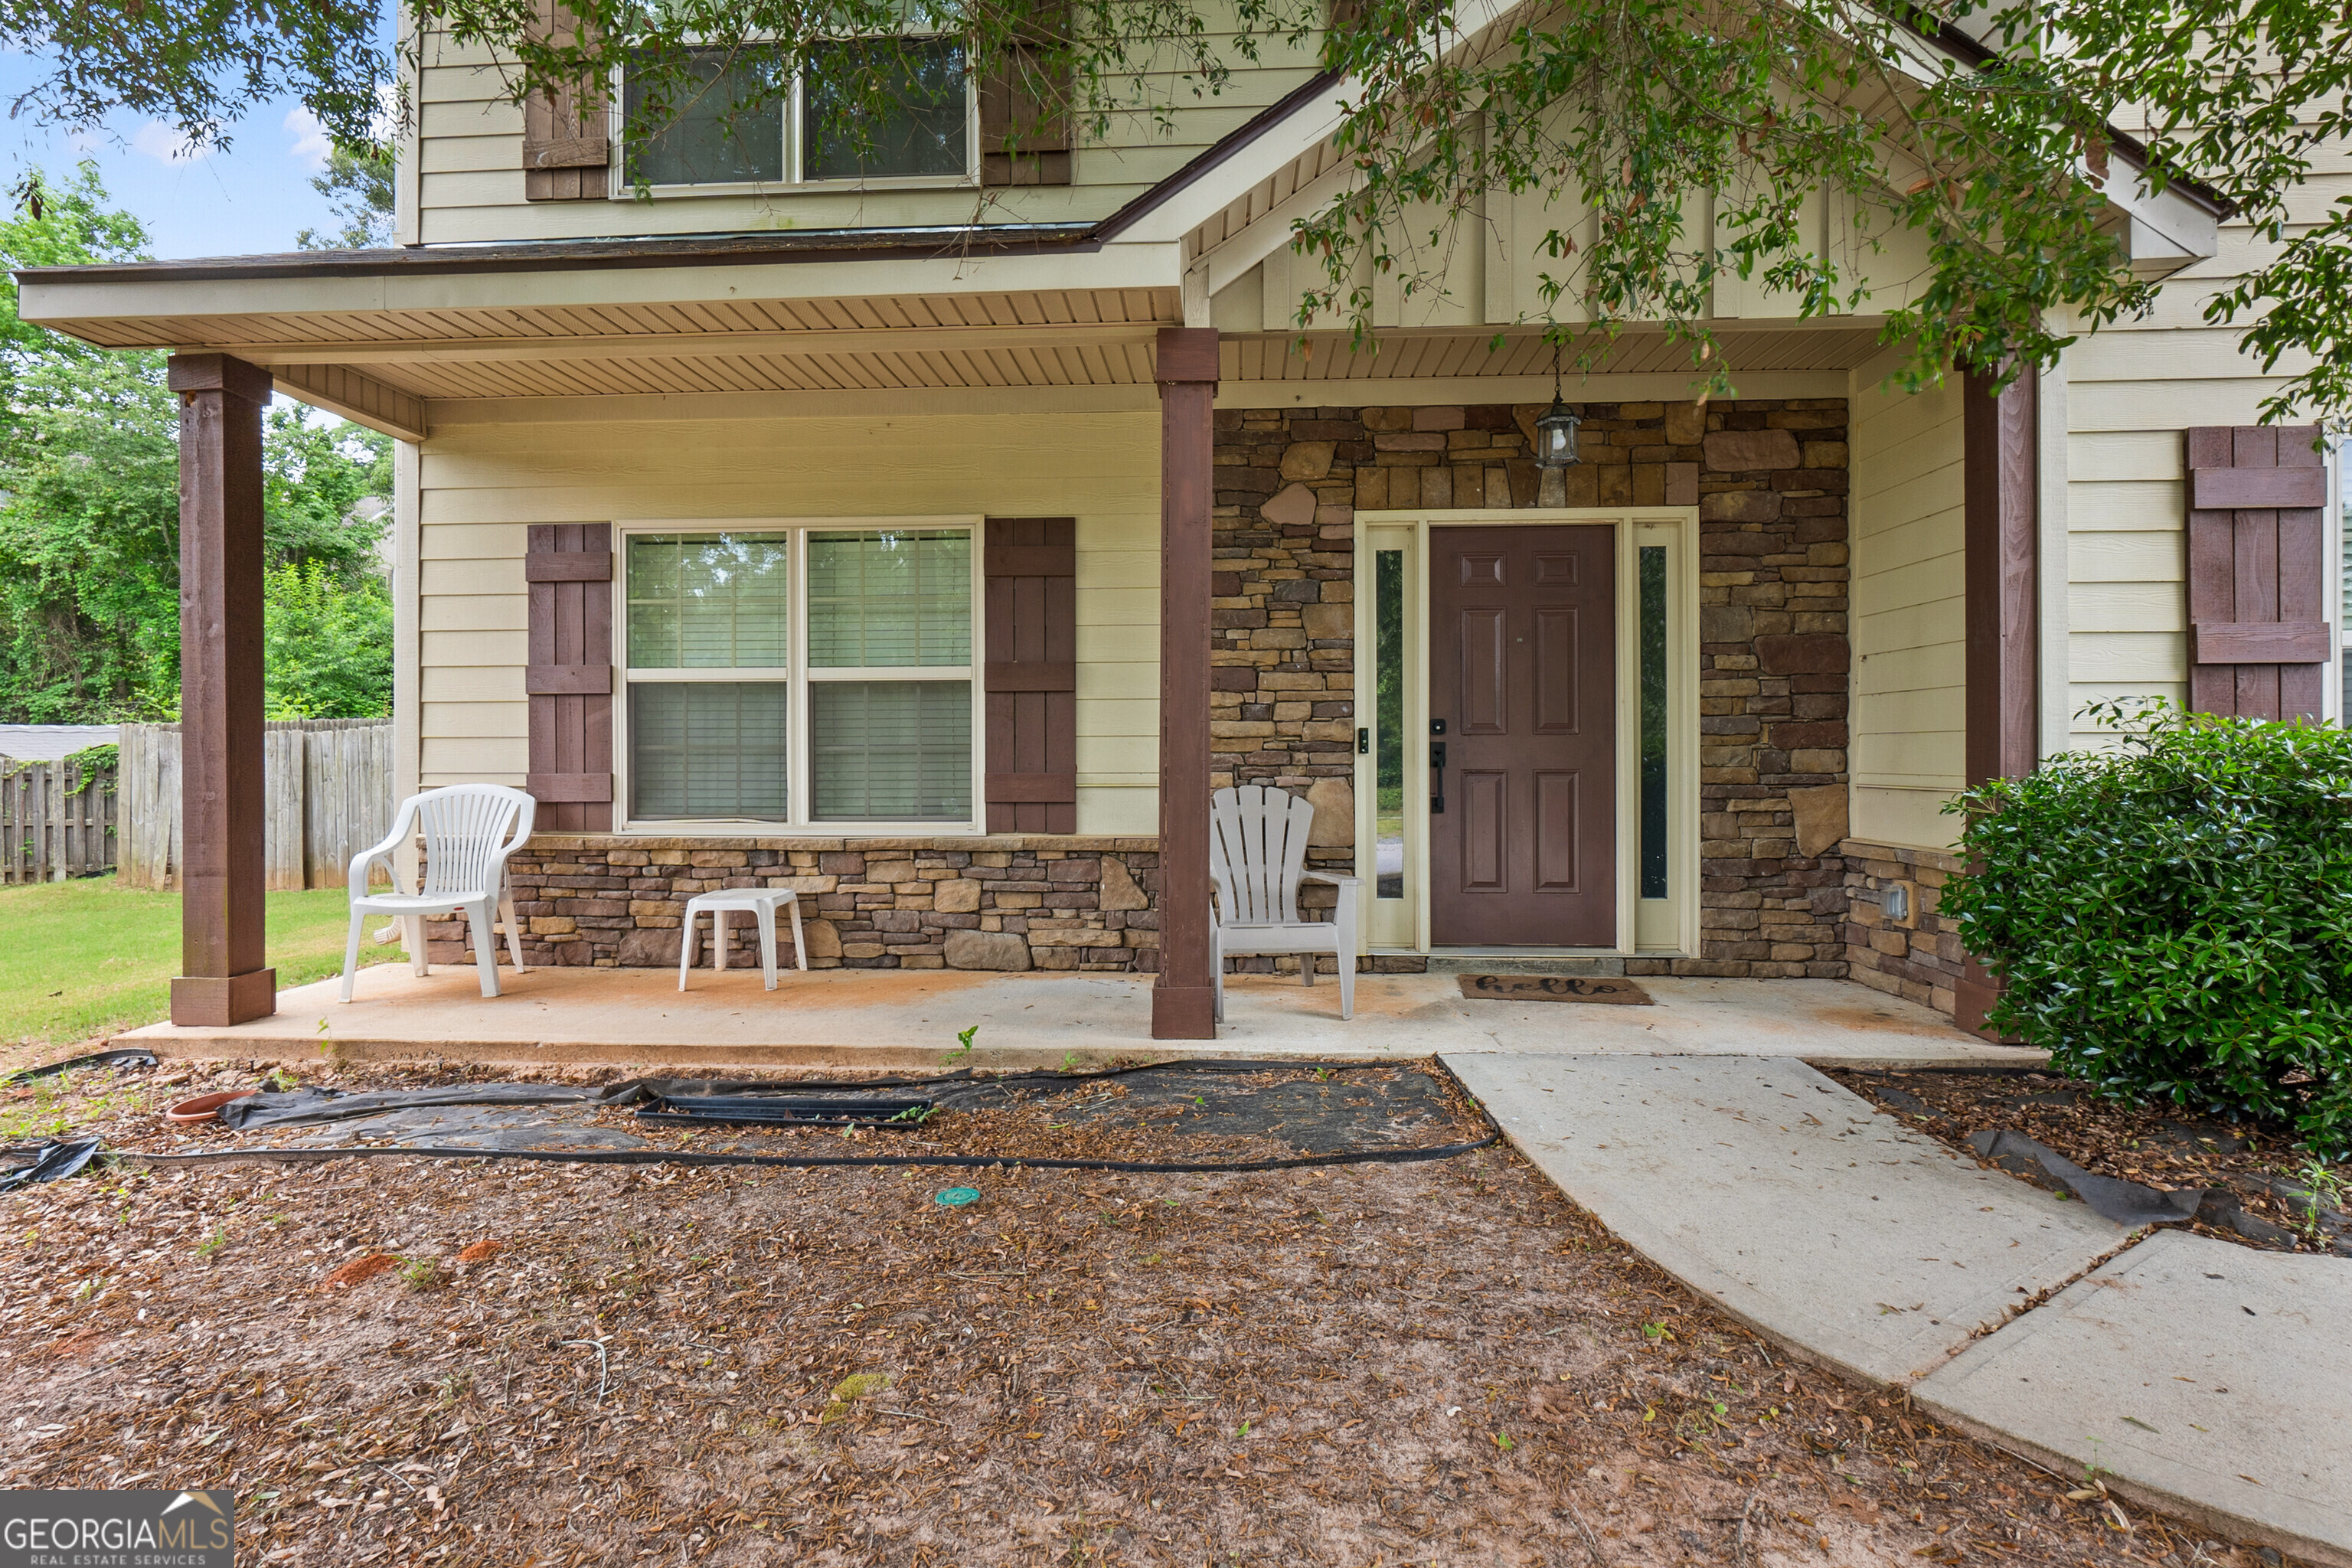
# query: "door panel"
{"type": "Point", "coordinates": [1523, 671]}
{"type": "Point", "coordinates": [1556, 672]}
{"type": "Point", "coordinates": [1555, 810]}
{"type": "Point", "coordinates": [1485, 672]}
{"type": "Point", "coordinates": [1485, 810]}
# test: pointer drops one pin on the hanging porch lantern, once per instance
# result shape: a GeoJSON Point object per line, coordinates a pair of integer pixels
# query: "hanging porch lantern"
{"type": "Point", "coordinates": [1556, 428]}
{"type": "Point", "coordinates": [1556, 435]}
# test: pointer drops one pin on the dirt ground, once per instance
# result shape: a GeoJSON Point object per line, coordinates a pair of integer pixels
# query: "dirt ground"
{"type": "Point", "coordinates": [2266, 1190]}
{"type": "Point", "coordinates": [397, 1360]}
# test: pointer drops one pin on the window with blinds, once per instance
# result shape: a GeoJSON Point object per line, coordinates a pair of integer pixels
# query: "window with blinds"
{"type": "Point", "coordinates": [800, 675]}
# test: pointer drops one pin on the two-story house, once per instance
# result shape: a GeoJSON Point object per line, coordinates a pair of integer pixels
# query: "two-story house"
{"type": "Point", "coordinates": [936, 531]}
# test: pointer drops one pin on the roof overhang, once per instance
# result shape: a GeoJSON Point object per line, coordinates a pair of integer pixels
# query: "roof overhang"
{"type": "Point", "coordinates": [2162, 229]}
{"type": "Point", "coordinates": [380, 336]}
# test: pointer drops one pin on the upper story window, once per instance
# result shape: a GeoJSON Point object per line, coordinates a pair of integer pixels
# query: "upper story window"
{"type": "Point", "coordinates": [743, 122]}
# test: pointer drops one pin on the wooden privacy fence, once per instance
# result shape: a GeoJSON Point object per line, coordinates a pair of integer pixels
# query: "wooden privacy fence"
{"type": "Point", "coordinates": [55, 822]}
{"type": "Point", "coordinates": [327, 784]}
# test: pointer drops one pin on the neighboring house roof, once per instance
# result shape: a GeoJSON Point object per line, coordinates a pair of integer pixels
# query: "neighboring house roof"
{"type": "Point", "coordinates": [48, 742]}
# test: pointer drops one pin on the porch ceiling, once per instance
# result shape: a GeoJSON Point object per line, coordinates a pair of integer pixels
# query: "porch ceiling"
{"type": "Point", "coordinates": [1046, 353]}
{"type": "Point", "coordinates": [386, 367]}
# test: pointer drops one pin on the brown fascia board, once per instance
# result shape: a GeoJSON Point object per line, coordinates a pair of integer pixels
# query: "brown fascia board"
{"type": "Point", "coordinates": [704, 250]}
{"type": "Point", "coordinates": [588, 254]}
{"type": "Point", "coordinates": [1972, 52]}
{"type": "Point", "coordinates": [1218, 152]}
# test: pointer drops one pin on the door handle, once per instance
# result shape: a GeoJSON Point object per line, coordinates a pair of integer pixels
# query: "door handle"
{"type": "Point", "coordinates": [1437, 782]}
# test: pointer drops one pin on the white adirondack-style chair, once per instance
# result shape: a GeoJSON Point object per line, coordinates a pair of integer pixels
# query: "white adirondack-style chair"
{"type": "Point", "coordinates": [469, 830]}
{"type": "Point", "coordinates": [1257, 858]}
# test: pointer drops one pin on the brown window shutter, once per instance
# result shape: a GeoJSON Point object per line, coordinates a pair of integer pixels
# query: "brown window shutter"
{"type": "Point", "coordinates": [1030, 674]}
{"type": "Point", "coordinates": [2257, 566]}
{"type": "Point", "coordinates": [565, 139]}
{"type": "Point", "coordinates": [569, 570]}
{"type": "Point", "coordinates": [1024, 116]}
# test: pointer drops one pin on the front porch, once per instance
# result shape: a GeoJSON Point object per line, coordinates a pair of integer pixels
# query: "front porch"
{"type": "Point", "coordinates": [878, 1018]}
{"type": "Point", "coordinates": [1174, 574]}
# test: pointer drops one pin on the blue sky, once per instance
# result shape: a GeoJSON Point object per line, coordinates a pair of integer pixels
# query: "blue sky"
{"type": "Point", "coordinates": [252, 197]}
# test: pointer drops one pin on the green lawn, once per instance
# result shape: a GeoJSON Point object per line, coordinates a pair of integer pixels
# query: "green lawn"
{"type": "Point", "coordinates": [87, 957]}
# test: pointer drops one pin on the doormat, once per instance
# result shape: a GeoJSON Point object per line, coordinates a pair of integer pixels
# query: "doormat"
{"type": "Point", "coordinates": [1553, 988]}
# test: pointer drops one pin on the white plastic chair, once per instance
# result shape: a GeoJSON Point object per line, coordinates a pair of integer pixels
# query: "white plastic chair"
{"type": "Point", "coordinates": [1257, 858]}
{"type": "Point", "coordinates": [469, 830]}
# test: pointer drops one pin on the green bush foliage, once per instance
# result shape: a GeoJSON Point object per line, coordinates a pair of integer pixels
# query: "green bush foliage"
{"type": "Point", "coordinates": [2173, 917]}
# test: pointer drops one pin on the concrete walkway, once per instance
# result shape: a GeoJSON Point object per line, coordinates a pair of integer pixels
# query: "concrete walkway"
{"type": "Point", "coordinates": [2207, 1379]}
{"type": "Point", "coordinates": [2216, 1375]}
{"type": "Point", "coordinates": [908, 1018]}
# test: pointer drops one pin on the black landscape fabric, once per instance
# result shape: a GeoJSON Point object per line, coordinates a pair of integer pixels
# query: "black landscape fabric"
{"type": "Point", "coordinates": [2126, 1203]}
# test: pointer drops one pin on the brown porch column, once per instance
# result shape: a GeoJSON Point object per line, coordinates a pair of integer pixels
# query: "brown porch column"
{"type": "Point", "coordinates": [2000, 473]}
{"type": "Point", "coordinates": [221, 862]}
{"type": "Point", "coordinates": [1183, 1002]}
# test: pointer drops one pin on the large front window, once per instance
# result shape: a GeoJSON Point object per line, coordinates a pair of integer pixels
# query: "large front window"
{"type": "Point", "coordinates": [800, 675]}
{"type": "Point", "coordinates": [861, 110]}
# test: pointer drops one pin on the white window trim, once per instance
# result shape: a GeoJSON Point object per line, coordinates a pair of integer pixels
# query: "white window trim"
{"type": "Point", "coordinates": [2339, 602]}
{"type": "Point", "coordinates": [796, 677]}
{"type": "Point", "coordinates": [619, 188]}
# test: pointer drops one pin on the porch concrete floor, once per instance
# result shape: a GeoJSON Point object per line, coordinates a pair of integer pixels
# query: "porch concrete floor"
{"type": "Point", "coordinates": [909, 1018]}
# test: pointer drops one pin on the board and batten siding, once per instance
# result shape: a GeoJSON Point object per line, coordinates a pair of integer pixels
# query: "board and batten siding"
{"type": "Point", "coordinates": [469, 167]}
{"type": "Point", "coordinates": [482, 485]}
{"type": "Point", "coordinates": [1909, 632]}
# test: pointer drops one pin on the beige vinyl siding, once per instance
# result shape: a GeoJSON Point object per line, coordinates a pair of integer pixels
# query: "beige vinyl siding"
{"type": "Point", "coordinates": [1909, 633]}
{"type": "Point", "coordinates": [470, 167]}
{"type": "Point", "coordinates": [483, 484]}
{"type": "Point", "coordinates": [2132, 389]}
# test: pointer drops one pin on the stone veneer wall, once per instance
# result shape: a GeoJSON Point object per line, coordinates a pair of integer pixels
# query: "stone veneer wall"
{"type": "Point", "coordinates": [1919, 959]}
{"type": "Point", "coordinates": [1000, 902]}
{"type": "Point", "coordinates": [1768, 478]}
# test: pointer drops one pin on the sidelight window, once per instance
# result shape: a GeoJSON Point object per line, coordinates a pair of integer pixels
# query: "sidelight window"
{"type": "Point", "coordinates": [800, 675]}
{"type": "Point", "coordinates": [1652, 587]}
{"type": "Point", "coordinates": [1388, 728]}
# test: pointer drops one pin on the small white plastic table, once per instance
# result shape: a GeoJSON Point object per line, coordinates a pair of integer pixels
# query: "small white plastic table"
{"type": "Point", "coordinates": [762, 903]}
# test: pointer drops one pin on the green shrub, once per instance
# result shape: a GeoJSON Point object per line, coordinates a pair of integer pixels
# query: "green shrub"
{"type": "Point", "coordinates": [2173, 918]}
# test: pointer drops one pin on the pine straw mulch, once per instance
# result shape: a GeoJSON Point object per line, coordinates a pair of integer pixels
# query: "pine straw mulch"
{"type": "Point", "coordinates": [2262, 1169]}
{"type": "Point", "coordinates": [1376, 1364]}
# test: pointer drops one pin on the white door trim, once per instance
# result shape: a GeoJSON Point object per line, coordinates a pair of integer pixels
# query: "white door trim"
{"type": "Point", "coordinates": [1657, 925]}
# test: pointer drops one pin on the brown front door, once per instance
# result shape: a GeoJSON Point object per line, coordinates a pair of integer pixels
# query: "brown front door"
{"type": "Point", "coordinates": [1523, 657]}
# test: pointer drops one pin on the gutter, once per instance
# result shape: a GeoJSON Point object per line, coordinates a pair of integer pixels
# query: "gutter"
{"type": "Point", "coordinates": [575, 255]}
